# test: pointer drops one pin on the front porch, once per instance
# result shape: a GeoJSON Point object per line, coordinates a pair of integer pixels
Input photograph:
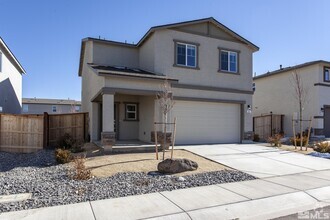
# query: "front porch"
{"type": "Point", "coordinates": [123, 120]}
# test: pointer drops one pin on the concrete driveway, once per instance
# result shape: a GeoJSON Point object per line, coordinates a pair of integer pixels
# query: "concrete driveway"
{"type": "Point", "coordinates": [260, 161]}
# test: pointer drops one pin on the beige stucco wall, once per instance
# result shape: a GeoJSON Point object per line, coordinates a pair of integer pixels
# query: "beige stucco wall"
{"type": "Point", "coordinates": [146, 121]}
{"type": "Point", "coordinates": [147, 54]}
{"type": "Point", "coordinates": [157, 55]}
{"type": "Point", "coordinates": [41, 108]}
{"type": "Point", "coordinates": [10, 87]}
{"type": "Point", "coordinates": [91, 85]}
{"type": "Point", "coordinates": [208, 59]}
{"type": "Point", "coordinates": [276, 94]}
{"type": "Point", "coordinates": [115, 55]}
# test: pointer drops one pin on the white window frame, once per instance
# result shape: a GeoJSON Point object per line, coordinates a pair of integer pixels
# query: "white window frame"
{"type": "Point", "coordinates": [25, 108]}
{"type": "Point", "coordinates": [77, 108]}
{"type": "Point", "coordinates": [229, 53]}
{"type": "Point", "coordinates": [324, 78]}
{"type": "Point", "coordinates": [186, 46]}
{"type": "Point", "coordinates": [54, 106]}
{"type": "Point", "coordinates": [135, 112]}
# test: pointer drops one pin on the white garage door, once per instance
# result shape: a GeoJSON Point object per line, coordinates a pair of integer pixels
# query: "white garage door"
{"type": "Point", "coordinates": [206, 122]}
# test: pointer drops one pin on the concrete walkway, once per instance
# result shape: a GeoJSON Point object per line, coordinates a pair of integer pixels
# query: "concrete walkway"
{"type": "Point", "coordinates": [289, 183]}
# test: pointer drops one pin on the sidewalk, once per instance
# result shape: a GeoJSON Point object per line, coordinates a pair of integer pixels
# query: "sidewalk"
{"type": "Point", "coordinates": [279, 192]}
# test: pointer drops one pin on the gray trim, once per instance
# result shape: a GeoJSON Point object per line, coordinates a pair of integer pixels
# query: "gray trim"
{"type": "Point", "coordinates": [113, 91]}
{"type": "Point", "coordinates": [175, 54]}
{"type": "Point", "coordinates": [322, 84]}
{"type": "Point", "coordinates": [287, 69]}
{"type": "Point", "coordinates": [210, 88]}
{"type": "Point", "coordinates": [242, 122]}
{"type": "Point", "coordinates": [205, 35]}
{"type": "Point", "coordinates": [209, 20]}
{"type": "Point", "coordinates": [184, 98]}
{"type": "Point", "coordinates": [230, 73]}
{"type": "Point", "coordinates": [146, 77]}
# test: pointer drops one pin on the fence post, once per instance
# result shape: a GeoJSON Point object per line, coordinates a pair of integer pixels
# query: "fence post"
{"type": "Point", "coordinates": [271, 124]}
{"type": "Point", "coordinates": [46, 124]}
{"type": "Point", "coordinates": [0, 131]}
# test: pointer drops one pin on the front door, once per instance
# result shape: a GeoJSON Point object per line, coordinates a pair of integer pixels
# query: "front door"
{"type": "Point", "coordinates": [327, 121]}
{"type": "Point", "coordinates": [116, 121]}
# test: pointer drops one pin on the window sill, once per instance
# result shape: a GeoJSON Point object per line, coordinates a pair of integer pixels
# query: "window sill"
{"type": "Point", "coordinates": [230, 73]}
{"type": "Point", "coordinates": [132, 120]}
{"type": "Point", "coordinates": [187, 67]}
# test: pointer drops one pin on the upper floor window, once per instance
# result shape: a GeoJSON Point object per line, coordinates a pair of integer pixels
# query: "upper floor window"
{"type": "Point", "coordinates": [228, 61]}
{"type": "Point", "coordinates": [25, 107]}
{"type": "Point", "coordinates": [186, 54]}
{"type": "Point", "coordinates": [326, 74]}
{"type": "Point", "coordinates": [54, 109]}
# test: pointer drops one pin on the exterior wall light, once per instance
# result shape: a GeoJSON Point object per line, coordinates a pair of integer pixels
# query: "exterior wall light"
{"type": "Point", "coordinates": [249, 110]}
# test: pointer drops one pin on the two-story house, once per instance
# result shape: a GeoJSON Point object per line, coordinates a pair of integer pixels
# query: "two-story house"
{"type": "Point", "coordinates": [208, 65]}
{"type": "Point", "coordinates": [11, 73]}
{"type": "Point", "coordinates": [274, 92]}
{"type": "Point", "coordinates": [51, 106]}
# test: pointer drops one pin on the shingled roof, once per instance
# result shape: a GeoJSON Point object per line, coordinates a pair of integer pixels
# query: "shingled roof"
{"type": "Point", "coordinates": [290, 68]}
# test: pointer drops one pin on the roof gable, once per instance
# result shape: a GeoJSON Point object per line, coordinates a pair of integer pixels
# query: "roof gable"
{"type": "Point", "coordinates": [207, 26]}
{"type": "Point", "coordinates": [291, 68]}
{"type": "Point", "coordinates": [7, 52]}
{"type": "Point", "coordinates": [207, 29]}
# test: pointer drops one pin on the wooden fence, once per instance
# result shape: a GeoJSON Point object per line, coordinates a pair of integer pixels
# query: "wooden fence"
{"type": "Point", "coordinates": [29, 133]}
{"type": "Point", "coordinates": [267, 125]}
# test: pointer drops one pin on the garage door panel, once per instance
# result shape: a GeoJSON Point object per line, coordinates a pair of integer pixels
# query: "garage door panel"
{"type": "Point", "coordinates": [205, 122]}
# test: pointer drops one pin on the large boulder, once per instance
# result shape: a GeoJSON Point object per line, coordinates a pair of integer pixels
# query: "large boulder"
{"type": "Point", "coordinates": [176, 165]}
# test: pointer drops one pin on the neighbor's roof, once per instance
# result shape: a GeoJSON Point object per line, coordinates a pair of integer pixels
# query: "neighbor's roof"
{"type": "Point", "coordinates": [5, 50]}
{"type": "Point", "coordinates": [291, 68]}
{"type": "Point", "coordinates": [166, 26]}
{"type": "Point", "coordinates": [50, 101]}
{"type": "Point", "coordinates": [127, 72]}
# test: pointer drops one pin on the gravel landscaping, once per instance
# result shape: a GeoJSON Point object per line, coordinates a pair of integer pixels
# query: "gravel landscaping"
{"type": "Point", "coordinates": [49, 183]}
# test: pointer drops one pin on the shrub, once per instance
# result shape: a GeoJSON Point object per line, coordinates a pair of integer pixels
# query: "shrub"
{"type": "Point", "coordinates": [322, 147]}
{"type": "Point", "coordinates": [77, 147]}
{"type": "Point", "coordinates": [275, 140]}
{"type": "Point", "coordinates": [80, 172]}
{"type": "Point", "coordinates": [304, 140]}
{"type": "Point", "coordinates": [66, 141]}
{"type": "Point", "coordinates": [256, 138]}
{"type": "Point", "coordinates": [63, 156]}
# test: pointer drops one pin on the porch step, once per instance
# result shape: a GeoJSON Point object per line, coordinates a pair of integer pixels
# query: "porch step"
{"type": "Point", "coordinates": [134, 149]}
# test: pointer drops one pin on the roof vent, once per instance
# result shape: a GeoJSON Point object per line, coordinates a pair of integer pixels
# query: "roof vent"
{"type": "Point", "coordinates": [281, 67]}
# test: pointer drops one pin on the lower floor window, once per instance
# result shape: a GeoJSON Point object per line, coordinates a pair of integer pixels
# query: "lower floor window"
{"type": "Point", "coordinates": [131, 112]}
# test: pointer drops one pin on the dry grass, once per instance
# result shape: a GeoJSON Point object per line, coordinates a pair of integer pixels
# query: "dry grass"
{"type": "Point", "coordinates": [292, 148]}
{"type": "Point", "coordinates": [103, 166]}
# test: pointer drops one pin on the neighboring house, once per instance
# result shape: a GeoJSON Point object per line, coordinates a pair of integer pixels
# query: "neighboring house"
{"type": "Point", "coordinates": [51, 106]}
{"type": "Point", "coordinates": [208, 65]}
{"type": "Point", "coordinates": [11, 73]}
{"type": "Point", "coordinates": [274, 93]}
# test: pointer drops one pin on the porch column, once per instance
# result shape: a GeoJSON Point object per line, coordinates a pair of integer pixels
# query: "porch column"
{"type": "Point", "coordinates": [108, 134]}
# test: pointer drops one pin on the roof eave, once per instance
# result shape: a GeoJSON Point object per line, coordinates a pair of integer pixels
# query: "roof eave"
{"type": "Point", "coordinates": [18, 66]}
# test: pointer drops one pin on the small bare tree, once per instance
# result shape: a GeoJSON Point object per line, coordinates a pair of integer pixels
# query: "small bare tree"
{"type": "Point", "coordinates": [166, 103]}
{"type": "Point", "coordinates": [301, 94]}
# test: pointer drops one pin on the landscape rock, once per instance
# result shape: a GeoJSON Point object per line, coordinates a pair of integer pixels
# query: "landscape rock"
{"type": "Point", "coordinates": [51, 186]}
{"type": "Point", "coordinates": [176, 165]}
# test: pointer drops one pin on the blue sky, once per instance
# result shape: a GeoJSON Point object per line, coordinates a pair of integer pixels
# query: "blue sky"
{"type": "Point", "coordinates": [46, 35]}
